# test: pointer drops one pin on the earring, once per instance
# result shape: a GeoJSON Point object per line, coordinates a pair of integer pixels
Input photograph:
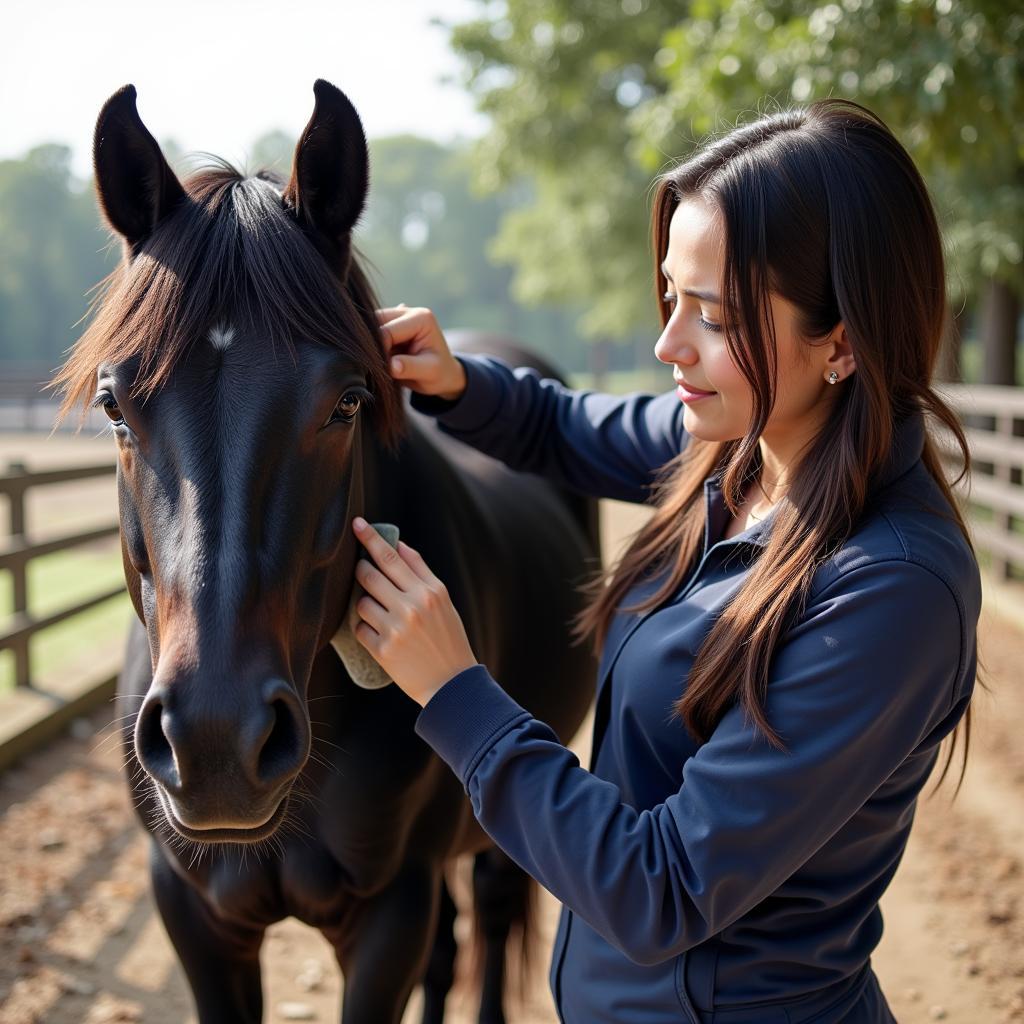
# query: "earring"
{"type": "Point", "coordinates": [833, 377]}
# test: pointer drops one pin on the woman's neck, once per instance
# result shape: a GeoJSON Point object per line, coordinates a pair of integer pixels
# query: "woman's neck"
{"type": "Point", "coordinates": [782, 447]}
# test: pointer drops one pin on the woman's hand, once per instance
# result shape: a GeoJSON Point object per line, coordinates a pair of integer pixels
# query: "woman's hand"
{"type": "Point", "coordinates": [410, 625]}
{"type": "Point", "coordinates": [420, 357]}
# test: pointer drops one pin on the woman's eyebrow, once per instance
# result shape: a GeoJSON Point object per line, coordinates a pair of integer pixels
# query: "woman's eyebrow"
{"type": "Point", "coordinates": [706, 296]}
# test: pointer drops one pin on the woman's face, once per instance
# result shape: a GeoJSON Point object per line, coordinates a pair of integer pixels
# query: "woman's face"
{"type": "Point", "coordinates": [693, 342]}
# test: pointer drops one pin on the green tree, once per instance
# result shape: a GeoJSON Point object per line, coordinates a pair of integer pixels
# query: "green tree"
{"type": "Point", "coordinates": [427, 237]}
{"type": "Point", "coordinates": [52, 251]}
{"type": "Point", "coordinates": [558, 79]}
{"type": "Point", "coordinates": [942, 74]}
{"type": "Point", "coordinates": [425, 232]}
{"type": "Point", "coordinates": [594, 98]}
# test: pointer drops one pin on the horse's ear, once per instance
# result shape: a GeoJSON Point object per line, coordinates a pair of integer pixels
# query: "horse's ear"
{"type": "Point", "coordinates": [330, 175]}
{"type": "Point", "coordinates": [134, 182]}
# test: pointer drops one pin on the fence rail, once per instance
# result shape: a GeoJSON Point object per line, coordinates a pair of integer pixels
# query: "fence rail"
{"type": "Point", "coordinates": [993, 419]}
{"type": "Point", "coordinates": [28, 403]}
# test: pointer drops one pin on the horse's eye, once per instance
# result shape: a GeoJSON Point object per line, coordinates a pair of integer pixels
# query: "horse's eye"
{"type": "Point", "coordinates": [347, 407]}
{"type": "Point", "coordinates": [113, 411]}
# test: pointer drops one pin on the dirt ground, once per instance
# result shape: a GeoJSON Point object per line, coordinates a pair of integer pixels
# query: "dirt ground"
{"type": "Point", "coordinates": [80, 941]}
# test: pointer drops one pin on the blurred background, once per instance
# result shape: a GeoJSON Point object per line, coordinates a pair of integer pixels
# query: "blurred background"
{"type": "Point", "coordinates": [513, 145]}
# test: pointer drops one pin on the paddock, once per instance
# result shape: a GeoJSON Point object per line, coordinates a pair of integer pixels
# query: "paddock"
{"type": "Point", "coordinates": [80, 940]}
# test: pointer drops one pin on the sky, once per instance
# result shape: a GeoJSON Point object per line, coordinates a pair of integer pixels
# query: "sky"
{"type": "Point", "coordinates": [214, 75]}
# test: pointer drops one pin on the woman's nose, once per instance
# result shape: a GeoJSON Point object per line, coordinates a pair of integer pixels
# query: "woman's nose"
{"type": "Point", "coordinates": [671, 348]}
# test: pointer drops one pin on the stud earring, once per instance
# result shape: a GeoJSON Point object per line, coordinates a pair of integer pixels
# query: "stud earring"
{"type": "Point", "coordinates": [833, 377]}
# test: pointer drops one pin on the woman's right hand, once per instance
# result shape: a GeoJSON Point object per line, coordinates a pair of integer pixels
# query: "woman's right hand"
{"type": "Point", "coordinates": [419, 356]}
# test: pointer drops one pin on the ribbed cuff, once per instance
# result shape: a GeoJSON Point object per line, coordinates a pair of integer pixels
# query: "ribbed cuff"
{"type": "Point", "coordinates": [474, 408]}
{"type": "Point", "coordinates": [469, 713]}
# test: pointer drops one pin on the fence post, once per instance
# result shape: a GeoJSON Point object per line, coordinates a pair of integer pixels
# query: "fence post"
{"type": "Point", "coordinates": [19, 575]}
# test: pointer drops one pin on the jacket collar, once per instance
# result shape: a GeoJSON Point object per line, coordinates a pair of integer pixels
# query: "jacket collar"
{"type": "Point", "coordinates": [907, 446]}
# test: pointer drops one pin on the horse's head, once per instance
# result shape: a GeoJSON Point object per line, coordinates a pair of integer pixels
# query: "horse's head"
{"type": "Point", "coordinates": [236, 352]}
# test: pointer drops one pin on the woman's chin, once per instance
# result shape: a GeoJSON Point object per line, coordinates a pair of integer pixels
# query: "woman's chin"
{"type": "Point", "coordinates": [702, 426]}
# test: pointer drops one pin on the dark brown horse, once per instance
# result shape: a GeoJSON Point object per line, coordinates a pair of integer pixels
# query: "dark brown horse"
{"type": "Point", "coordinates": [236, 352]}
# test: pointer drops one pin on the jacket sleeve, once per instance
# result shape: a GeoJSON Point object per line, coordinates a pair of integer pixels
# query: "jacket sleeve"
{"type": "Point", "coordinates": [606, 446]}
{"type": "Point", "coordinates": [852, 693]}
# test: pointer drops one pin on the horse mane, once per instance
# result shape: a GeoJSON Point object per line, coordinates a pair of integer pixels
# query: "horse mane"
{"type": "Point", "coordinates": [232, 252]}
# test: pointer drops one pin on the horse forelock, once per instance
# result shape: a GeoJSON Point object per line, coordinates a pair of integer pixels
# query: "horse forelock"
{"type": "Point", "coordinates": [229, 257]}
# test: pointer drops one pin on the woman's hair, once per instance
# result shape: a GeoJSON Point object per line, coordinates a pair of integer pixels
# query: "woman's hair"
{"type": "Point", "coordinates": [823, 206]}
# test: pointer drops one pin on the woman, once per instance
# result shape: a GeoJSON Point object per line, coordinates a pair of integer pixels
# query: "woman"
{"type": "Point", "coordinates": [787, 639]}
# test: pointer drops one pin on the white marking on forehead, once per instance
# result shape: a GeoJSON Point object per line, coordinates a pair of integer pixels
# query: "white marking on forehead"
{"type": "Point", "coordinates": [221, 336]}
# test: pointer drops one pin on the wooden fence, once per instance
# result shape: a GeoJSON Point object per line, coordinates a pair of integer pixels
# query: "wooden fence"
{"type": "Point", "coordinates": [37, 714]}
{"type": "Point", "coordinates": [993, 419]}
{"type": "Point", "coordinates": [994, 424]}
{"type": "Point", "coordinates": [28, 404]}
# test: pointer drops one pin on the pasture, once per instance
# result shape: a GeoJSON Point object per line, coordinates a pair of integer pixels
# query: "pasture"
{"type": "Point", "coordinates": [80, 940]}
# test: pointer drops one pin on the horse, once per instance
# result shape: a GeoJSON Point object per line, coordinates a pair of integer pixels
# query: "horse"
{"type": "Point", "coordinates": [235, 351]}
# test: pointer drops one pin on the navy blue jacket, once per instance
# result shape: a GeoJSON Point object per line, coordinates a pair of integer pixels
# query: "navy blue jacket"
{"type": "Point", "coordinates": [719, 882]}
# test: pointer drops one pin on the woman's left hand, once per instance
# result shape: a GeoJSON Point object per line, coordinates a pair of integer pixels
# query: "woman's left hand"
{"type": "Point", "coordinates": [410, 625]}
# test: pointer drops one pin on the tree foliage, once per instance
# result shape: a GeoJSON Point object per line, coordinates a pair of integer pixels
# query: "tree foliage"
{"type": "Point", "coordinates": [427, 234]}
{"type": "Point", "coordinates": [424, 231]}
{"type": "Point", "coordinates": [557, 78]}
{"type": "Point", "coordinates": [593, 97]}
{"type": "Point", "coordinates": [943, 74]}
{"type": "Point", "coordinates": [52, 251]}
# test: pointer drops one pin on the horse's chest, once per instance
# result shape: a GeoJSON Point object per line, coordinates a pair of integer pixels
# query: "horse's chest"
{"type": "Point", "coordinates": [245, 895]}
{"type": "Point", "coordinates": [314, 886]}
{"type": "Point", "coordinates": [304, 882]}
{"type": "Point", "coordinates": [308, 879]}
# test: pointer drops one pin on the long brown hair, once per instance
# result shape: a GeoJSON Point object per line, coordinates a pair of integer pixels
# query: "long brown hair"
{"type": "Point", "coordinates": [823, 206]}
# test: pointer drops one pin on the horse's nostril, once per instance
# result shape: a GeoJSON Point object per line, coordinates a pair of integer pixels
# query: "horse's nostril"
{"type": "Point", "coordinates": [280, 753]}
{"type": "Point", "coordinates": [153, 748]}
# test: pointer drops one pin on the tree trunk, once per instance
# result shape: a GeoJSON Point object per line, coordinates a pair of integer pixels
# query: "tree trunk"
{"type": "Point", "coordinates": [1000, 314]}
{"type": "Point", "coordinates": [949, 367]}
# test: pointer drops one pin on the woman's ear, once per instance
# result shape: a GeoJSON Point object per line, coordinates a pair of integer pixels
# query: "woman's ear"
{"type": "Point", "coordinates": [839, 353]}
{"type": "Point", "coordinates": [330, 174]}
{"type": "Point", "coordinates": [134, 183]}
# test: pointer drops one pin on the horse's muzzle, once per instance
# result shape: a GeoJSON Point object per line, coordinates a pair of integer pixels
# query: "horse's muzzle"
{"type": "Point", "coordinates": [223, 756]}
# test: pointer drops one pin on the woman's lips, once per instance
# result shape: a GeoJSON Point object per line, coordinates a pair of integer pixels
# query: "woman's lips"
{"type": "Point", "coordinates": [688, 394]}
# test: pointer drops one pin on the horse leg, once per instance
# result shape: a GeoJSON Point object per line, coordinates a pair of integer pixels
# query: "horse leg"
{"type": "Point", "coordinates": [441, 967]}
{"type": "Point", "coordinates": [501, 897]}
{"type": "Point", "coordinates": [221, 961]}
{"type": "Point", "coordinates": [386, 953]}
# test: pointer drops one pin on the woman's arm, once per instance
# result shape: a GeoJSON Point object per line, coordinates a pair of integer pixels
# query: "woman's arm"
{"type": "Point", "coordinates": [598, 444]}
{"type": "Point", "coordinates": [852, 693]}
{"type": "Point", "coordinates": [608, 446]}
